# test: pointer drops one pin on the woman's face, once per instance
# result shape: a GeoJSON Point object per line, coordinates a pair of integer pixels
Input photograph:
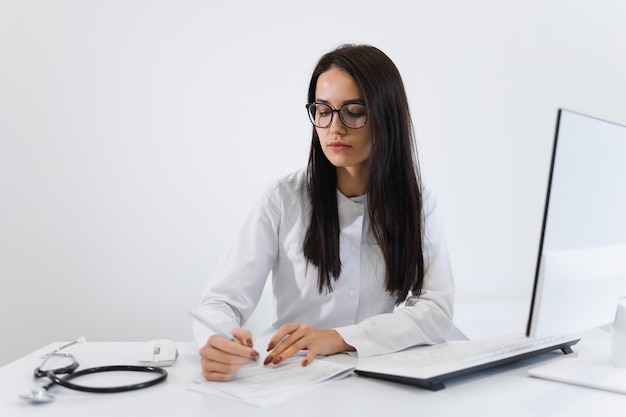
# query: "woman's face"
{"type": "Point", "coordinates": [344, 147]}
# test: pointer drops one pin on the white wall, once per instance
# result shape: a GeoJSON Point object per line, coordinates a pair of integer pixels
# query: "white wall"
{"type": "Point", "coordinates": [134, 135]}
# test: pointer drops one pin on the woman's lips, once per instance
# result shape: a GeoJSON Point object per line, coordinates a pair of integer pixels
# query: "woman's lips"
{"type": "Point", "coordinates": [337, 146]}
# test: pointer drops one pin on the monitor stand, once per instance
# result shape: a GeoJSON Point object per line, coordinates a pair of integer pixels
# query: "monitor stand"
{"type": "Point", "coordinates": [600, 362]}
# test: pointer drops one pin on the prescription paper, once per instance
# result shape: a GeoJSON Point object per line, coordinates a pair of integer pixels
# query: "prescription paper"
{"type": "Point", "coordinates": [262, 385]}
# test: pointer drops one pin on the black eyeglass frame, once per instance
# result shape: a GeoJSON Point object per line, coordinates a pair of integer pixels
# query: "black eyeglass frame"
{"type": "Point", "coordinates": [332, 114]}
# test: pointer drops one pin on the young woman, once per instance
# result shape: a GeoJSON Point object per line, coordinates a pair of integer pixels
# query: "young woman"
{"type": "Point", "coordinates": [347, 240]}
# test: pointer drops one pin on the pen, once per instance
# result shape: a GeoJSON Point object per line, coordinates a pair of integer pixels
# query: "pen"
{"type": "Point", "coordinates": [218, 331]}
{"type": "Point", "coordinates": [210, 326]}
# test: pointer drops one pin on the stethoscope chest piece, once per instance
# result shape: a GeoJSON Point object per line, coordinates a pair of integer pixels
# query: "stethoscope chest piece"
{"type": "Point", "coordinates": [38, 396]}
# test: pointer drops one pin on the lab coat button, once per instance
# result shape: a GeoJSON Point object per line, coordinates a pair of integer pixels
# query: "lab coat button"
{"type": "Point", "coordinates": [351, 293]}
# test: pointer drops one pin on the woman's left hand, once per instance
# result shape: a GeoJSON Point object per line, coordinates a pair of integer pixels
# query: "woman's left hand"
{"type": "Point", "coordinates": [292, 338]}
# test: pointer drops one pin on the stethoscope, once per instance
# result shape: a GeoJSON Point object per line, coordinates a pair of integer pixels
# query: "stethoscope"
{"type": "Point", "coordinates": [42, 394]}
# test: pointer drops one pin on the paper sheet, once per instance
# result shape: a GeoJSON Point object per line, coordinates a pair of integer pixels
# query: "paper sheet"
{"type": "Point", "coordinates": [263, 385]}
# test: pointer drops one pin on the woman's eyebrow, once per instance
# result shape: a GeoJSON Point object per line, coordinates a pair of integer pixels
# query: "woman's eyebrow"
{"type": "Point", "coordinates": [350, 101]}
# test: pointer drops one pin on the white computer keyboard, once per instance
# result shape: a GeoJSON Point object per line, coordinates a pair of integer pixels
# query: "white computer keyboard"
{"type": "Point", "coordinates": [463, 351]}
{"type": "Point", "coordinates": [429, 365]}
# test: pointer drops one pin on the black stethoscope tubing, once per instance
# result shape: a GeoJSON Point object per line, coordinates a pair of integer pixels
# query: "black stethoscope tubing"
{"type": "Point", "coordinates": [65, 381]}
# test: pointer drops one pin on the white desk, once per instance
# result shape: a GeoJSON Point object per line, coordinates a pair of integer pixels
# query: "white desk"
{"type": "Point", "coordinates": [497, 392]}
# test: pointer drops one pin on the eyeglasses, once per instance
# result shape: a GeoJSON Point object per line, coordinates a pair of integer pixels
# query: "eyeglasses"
{"type": "Point", "coordinates": [352, 115]}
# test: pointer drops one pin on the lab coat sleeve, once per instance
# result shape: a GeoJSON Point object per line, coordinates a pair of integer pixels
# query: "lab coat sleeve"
{"type": "Point", "coordinates": [425, 319]}
{"type": "Point", "coordinates": [236, 285]}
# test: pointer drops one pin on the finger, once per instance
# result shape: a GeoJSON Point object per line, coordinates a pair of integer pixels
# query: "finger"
{"type": "Point", "coordinates": [227, 367]}
{"type": "Point", "coordinates": [215, 356]}
{"type": "Point", "coordinates": [219, 365]}
{"type": "Point", "coordinates": [227, 347]}
{"type": "Point", "coordinates": [310, 357]}
{"type": "Point", "coordinates": [232, 347]}
{"type": "Point", "coordinates": [214, 371]}
{"type": "Point", "coordinates": [283, 331]}
{"type": "Point", "coordinates": [244, 336]}
{"type": "Point", "coordinates": [216, 376]}
{"type": "Point", "coordinates": [287, 347]}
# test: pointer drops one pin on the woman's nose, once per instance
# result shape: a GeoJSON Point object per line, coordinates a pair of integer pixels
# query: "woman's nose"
{"type": "Point", "coordinates": [336, 125]}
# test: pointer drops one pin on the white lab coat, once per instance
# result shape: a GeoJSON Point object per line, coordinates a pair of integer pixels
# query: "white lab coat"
{"type": "Point", "coordinates": [359, 307]}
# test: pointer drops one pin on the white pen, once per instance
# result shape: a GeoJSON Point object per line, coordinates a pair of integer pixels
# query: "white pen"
{"type": "Point", "coordinates": [212, 327]}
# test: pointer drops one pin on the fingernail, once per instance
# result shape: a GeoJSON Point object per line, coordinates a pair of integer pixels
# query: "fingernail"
{"type": "Point", "coordinates": [268, 360]}
{"type": "Point", "coordinates": [255, 354]}
{"type": "Point", "coordinates": [249, 342]}
{"type": "Point", "coordinates": [305, 362]}
{"type": "Point", "coordinates": [277, 360]}
{"type": "Point", "coordinates": [270, 346]}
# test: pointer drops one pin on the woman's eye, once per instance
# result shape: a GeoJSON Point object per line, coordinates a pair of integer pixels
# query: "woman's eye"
{"type": "Point", "coordinates": [356, 113]}
{"type": "Point", "coordinates": [355, 110]}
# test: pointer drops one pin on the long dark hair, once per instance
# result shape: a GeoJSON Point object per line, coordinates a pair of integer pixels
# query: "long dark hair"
{"type": "Point", "coordinates": [393, 187]}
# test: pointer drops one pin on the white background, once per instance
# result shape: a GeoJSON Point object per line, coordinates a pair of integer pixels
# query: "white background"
{"type": "Point", "coordinates": [135, 135]}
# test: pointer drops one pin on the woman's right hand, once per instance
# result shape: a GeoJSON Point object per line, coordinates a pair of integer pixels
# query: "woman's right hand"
{"type": "Point", "coordinates": [222, 358]}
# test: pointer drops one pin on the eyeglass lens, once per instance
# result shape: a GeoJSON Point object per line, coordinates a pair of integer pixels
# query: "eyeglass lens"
{"type": "Point", "coordinates": [352, 115]}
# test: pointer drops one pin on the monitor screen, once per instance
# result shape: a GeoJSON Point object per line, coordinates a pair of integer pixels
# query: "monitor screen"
{"type": "Point", "coordinates": [581, 267]}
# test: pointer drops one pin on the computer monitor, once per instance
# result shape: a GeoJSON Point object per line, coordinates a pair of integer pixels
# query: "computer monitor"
{"type": "Point", "coordinates": [581, 266]}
